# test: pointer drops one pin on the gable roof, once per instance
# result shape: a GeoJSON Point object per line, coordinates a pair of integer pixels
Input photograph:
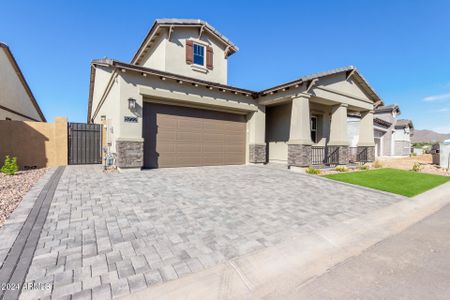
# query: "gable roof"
{"type": "Point", "coordinates": [402, 123]}
{"type": "Point", "coordinates": [161, 74]}
{"type": "Point", "coordinates": [382, 123]}
{"type": "Point", "coordinates": [19, 73]}
{"type": "Point", "coordinates": [387, 108]}
{"type": "Point", "coordinates": [170, 23]}
{"type": "Point", "coordinates": [198, 82]}
{"type": "Point", "coordinates": [350, 70]}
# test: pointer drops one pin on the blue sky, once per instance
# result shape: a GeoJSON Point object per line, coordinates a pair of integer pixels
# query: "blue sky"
{"type": "Point", "coordinates": [401, 47]}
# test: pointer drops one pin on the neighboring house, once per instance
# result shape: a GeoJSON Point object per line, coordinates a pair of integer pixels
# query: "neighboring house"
{"type": "Point", "coordinates": [171, 106]}
{"type": "Point", "coordinates": [392, 136]}
{"type": "Point", "coordinates": [404, 129]}
{"type": "Point", "coordinates": [384, 129]}
{"type": "Point", "coordinates": [16, 99]}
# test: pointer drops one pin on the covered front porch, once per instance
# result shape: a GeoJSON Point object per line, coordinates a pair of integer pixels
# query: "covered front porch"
{"type": "Point", "coordinates": [309, 128]}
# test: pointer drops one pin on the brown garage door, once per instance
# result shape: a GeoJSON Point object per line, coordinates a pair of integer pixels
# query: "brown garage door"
{"type": "Point", "coordinates": [176, 136]}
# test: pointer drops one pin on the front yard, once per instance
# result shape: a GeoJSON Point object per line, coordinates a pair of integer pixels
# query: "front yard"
{"type": "Point", "coordinates": [406, 183]}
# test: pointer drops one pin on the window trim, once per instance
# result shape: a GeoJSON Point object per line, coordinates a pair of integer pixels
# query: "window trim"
{"type": "Point", "coordinates": [204, 54]}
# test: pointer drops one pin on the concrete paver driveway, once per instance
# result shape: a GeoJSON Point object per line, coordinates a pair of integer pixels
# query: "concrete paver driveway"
{"type": "Point", "coordinates": [107, 235]}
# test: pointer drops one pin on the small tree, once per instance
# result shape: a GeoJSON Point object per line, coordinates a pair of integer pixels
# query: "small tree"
{"type": "Point", "coordinates": [10, 166]}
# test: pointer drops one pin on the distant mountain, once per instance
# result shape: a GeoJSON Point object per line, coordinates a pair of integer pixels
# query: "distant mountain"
{"type": "Point", "coordinates": [428, 136]}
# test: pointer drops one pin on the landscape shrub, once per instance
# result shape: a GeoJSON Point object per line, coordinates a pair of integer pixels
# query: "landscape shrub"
{"type": "Point", "coordinates": [312, 171]}
{"type": "Point", "coordinates": [377, 164]}
{"type": "Point", "coordinates": [416, 167]}
{"type": "Point", "coordinates": [10, 166]}
{"type": "Point", "coordinates": [363, 167]}
{"type": "Point", "coordinates": [341, 169]}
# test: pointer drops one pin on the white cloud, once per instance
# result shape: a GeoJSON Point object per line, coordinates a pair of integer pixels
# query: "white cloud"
{"type": "Point", "coordinates": [437, 97]}
{"type": "Point", "coordinates": [443, 129]}
{"type": "Point", "coordinates": [439, 110]}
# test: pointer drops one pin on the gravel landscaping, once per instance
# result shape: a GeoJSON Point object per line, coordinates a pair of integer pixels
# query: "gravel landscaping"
{"type": "Point", "coordinates": [13, 188]}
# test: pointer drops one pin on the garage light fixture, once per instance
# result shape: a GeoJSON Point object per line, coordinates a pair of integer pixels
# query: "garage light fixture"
{"type": "Point", "coordinates": [131, 103]}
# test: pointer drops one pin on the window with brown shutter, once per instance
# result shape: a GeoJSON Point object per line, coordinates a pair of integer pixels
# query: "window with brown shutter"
{"type": "Point", "coordinates": [189, 52]}
{"type": "Point", "coordinates": [209, 58]}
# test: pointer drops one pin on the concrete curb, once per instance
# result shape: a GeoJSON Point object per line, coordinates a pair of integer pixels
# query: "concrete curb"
{"type": "Point", "coordinates": [270, 272]}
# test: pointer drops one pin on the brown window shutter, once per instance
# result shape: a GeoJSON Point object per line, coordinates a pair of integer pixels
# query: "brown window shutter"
{"type": "Point", "coordinates": [209, 58]}
{"type": "Point", "coordinates": [189, 52]}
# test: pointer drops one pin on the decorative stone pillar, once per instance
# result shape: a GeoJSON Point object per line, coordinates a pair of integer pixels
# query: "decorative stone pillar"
{"type": "Point", "coordinates": [300, 143]}
{"type": "Point", "coordinates": [257, 136]}
{"type": "Point", "coordinates": [338, 134]}
{"type": "Point", "coordinates": [366, 135]}
{"type": "Point", "coordinates": [130, 154]}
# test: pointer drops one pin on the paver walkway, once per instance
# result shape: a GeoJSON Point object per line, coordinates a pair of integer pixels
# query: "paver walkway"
{"type": "Point", "coordinates": [107, 235]}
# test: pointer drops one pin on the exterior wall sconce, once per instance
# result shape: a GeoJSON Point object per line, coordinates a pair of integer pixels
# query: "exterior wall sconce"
{"type": "Point", "coordinates": [131, 103]}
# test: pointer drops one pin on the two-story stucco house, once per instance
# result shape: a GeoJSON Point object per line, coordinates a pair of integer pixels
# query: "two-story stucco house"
{"type": "Point", "coordinates": [171, 106]}
{"type": "Point", "coordinates": [16, 99]}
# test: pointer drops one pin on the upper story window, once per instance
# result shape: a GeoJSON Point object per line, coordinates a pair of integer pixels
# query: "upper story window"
{"type": "Point", "coordinates": [199, 54]}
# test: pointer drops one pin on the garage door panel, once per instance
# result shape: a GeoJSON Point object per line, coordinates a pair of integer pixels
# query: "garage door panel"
{"type": "Point", "coordinates": [213, 138]}
{"type": "Point", "coordinates": [186, 124]}
{"type": "Point", "coordinates": [167, 122]}
{"type": "Point", "coordinates": [233, 149]}
{"type": "Point", "coordinates": [234, 139]}
{"type": "Point", "coordinates": [192, 137]}
{"type": "Point", "coordinates": [166, 148]}
{"type": "Point", "coordinates": [211, 148]}
{"type": "Point", "coordinates": [188, 148]}
{"type": "Point", "coordinates": [187, 136]}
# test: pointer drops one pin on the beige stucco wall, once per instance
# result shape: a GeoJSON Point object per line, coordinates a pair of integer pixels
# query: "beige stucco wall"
{"type": "Point", "coordinates": [110, 109]}
{"type": "Point", "coordinates": [35, 144]}
{"type": "Point", "coordinates": [133, 85]}
{"type": "Point", "coordinates": [278, 120]}
{"type": "Point", "coordinates": [170, 55]}
{"type": "Point", "coordinates": [13, 95]}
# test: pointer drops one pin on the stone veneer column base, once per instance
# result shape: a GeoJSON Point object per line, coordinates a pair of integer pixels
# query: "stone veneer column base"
{"type": "Point", "coordinates": [130, 154]}
{"type": "Point", "coordinates": [299, 155]}
{"type": "Point", "coordinates": [257, 153]}
{"type": "Point", "coordinates": [370, 152]}
{"type": "Point", "coordinates": [343, 153]}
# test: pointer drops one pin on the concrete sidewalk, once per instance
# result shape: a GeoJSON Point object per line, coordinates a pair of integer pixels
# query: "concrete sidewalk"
{"type": "Point", "coordinates": [415, 264]}
{"type": "Point", "coordinates": [278, 272]}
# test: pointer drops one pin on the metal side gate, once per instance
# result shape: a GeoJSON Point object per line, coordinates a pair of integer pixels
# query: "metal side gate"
{"type": "Point", "coordinates": [85, 143]}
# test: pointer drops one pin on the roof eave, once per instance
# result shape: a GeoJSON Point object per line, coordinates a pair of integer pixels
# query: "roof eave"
{"type": "Point", "coordinates": [160, 24]}
{"type": "Point", "coordinates": [24, 81]}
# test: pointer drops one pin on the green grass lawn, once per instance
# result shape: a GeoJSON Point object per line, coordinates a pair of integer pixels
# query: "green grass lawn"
{"type": "Point", "coordinates": [406, 183]}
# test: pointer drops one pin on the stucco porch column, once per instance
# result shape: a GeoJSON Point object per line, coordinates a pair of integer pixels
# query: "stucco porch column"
{"type": "Point", "coordinates": [299, 145]}
{"type": "Point", "coordinates": [338, 142]}
{"type": "Point", "coordinates": [257, 136]}
{"type": "Point", "coordinates": [366, 140]}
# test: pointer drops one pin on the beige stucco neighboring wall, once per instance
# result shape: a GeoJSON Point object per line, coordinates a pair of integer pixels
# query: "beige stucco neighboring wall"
{"type": "Point", "coordinates": [13, 94]}
{"type": "Point", "coordinates": [5, 115]}
{"type": "Point", "coordinates": [170, 55]}
{"type": "Point", "coordinates": [35, 144]}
